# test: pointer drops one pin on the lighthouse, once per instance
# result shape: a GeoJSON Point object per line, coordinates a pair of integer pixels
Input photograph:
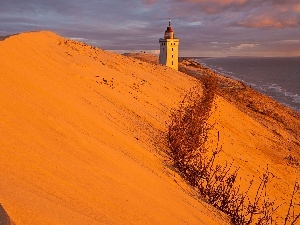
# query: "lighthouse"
{"type": "Point", "coordinates": [168, 54]}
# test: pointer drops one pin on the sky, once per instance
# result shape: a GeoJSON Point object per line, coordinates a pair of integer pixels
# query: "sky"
{"type": "Point", "coordinates": [211, 28]}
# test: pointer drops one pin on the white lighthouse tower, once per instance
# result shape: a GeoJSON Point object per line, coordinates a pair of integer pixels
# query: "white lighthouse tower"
{"type": "Point", "coordinates": [169, 49]}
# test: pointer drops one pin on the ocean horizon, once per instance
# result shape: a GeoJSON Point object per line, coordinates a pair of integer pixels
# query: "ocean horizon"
{"type": "Point", "coordinates": [277, 77]}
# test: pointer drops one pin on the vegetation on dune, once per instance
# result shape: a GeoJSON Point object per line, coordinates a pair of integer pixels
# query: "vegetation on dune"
{"type": "Point", "coordinates": [260, 107]}
{"type": "Point", "coordinates": [216, 183]}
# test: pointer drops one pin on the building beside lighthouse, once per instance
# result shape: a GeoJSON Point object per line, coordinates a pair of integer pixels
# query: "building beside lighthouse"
{"type": "Point", "coordinates": [168, 54]}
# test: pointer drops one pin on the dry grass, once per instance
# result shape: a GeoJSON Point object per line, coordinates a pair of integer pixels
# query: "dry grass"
{"type": "Point", "coordinates": [216, 183]}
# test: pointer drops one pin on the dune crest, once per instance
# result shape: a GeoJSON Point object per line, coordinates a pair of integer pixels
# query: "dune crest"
{"type": "Point", "coordinates": [82, 137]}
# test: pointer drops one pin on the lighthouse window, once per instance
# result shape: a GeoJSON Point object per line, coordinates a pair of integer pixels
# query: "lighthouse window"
{"type": "Point", "coordinates": [172, 56]}
{"type": "Point", "coordinates": [172, 49]}
{"type": "Point", "coordinates": [172, 63]}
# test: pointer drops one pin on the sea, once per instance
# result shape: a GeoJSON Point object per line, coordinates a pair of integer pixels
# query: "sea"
{"type": "Point", "coordinates": [278, 78]}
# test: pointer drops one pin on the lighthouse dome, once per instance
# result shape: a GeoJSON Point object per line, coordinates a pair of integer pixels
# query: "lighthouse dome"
{"type": "Point", "coordinates": [169, 33]}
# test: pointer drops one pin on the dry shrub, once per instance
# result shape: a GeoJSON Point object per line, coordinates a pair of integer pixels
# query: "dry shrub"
{"type": "Point", "coordinates": [188, 131]}
{"type": "Point", "coordinates": [187, 135]}
{"type": "Point", "coordinates": [292, 217]}
{"type": "Point", "coordinates": [292, 160]}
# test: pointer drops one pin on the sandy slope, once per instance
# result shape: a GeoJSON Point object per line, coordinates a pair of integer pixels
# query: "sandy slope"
{"type": "Point", "coordinates": [255, 132]}
{"type": "Point", "coordinates": [82, 137]}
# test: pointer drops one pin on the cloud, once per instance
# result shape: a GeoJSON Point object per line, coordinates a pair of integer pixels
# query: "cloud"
{"type": "Point", "coordinates": [296, 8]}
{"type": "Point", "coordinates": [288, 42]}
{"type": "Point", "coordinates": [138, 24]}
{"type": "Point", "coordinates": [155, 52]}
{"type": "Point", "coordinates": [246, 13]}
{"type": "Point", "coordinates": [212, 6]}
{"type": "Point", "coordinates": [149, 3]}
{"type": "Point", "coordinates": [194, 23]}
{"type": "Point", "coordinates": [269, 21]}
{"type": "Point", "coordinates": [244, 46]}
{"type": "Point", "coordinates": [277, 15]}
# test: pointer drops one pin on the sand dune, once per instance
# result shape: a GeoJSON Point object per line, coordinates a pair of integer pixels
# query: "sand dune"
{"type": "Point", "coordinates": [82, 137]}
{"type": "Point", "coordinates": [253, 136]}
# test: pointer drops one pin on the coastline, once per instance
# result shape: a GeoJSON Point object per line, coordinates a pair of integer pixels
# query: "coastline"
{"type": "Point", "coordinates": [254, 131]}
{"type": "Point", "coordinates": [283, 121]}
{"type": "Point", "coordinates": [264, 74]}
{"type": "Point", "coordinates": [272, 143]}
{"type": "Point", "coordinates": [189, 66]}
{"type": "Point", "coordinates": [248, 100]}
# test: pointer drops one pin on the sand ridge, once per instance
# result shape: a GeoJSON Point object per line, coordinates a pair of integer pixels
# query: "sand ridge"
{"type": "Point", "coordinates": [81, 137]}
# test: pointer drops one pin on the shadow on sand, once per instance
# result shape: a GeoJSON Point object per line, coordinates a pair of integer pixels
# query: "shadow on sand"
{"type": "Point", "coordinates": [4, 218]}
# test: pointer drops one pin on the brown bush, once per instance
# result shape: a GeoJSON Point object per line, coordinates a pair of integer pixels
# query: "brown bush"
{"type": "Point", "coordinates": [187, 136]}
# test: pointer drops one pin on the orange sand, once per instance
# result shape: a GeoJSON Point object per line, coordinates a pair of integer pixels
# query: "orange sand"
{"type": "Point", "coordinates": [82, 137]}
{"type": "Point", "coordinates": [254, 141]}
